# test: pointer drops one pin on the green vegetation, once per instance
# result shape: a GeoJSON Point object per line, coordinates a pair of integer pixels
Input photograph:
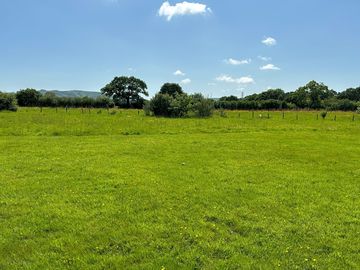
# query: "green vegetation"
{"type": "Point", "coordinates": [313, 95]}
{"type": "Point", "coordinates": [172, 101]}
{"type": "Point", "coordinates": [117, 190]}
{"type": "Point", "coordinates": [126, 91]}
{"type": "Point", "coordinates": [7, 102]}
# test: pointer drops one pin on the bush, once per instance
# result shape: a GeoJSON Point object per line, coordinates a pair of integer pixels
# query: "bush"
{"type": "Point", "coordinates": [323, 114]}
{"type": "Point", "coordinates": [7, 102]}
{"type": "Point", "coordinates": [179, 105]}
{"type": "Point", "coordinates": [147, 109]}
{"type": "Point", "coordinates": [160, 105]}
{"type": "Point", "coordinates": [202, 107]}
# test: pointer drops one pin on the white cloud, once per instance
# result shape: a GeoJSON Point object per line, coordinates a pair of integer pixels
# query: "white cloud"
{"type": "Point", "coordinates": [269, 41]}
{"type": "Point", "coordinates": [235, 62]}
{"type": "Point", "coordinates": [179, 73]}
{"type": "Point", "coordinates": [185, 81]}
{"type": "Point", "coordinates": [241, 80]}
{"type": "Point", "coordinates": [264, 58]}
{"type": "Point", "coordinates": [184, 8]}
{"type": "Point", "coordinates": [269, 67]}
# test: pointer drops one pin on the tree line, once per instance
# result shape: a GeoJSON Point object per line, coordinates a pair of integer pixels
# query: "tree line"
{"type": "Point", "coordinates": [313, 95]}
{"type": "Point", "coordinates": [172, 101]}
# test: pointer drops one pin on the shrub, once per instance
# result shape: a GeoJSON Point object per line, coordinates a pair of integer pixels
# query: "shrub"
{"type": "Point", "coordinates": [160, 105]}
{"type": "Point", "coordinates": [202, 107]}
{"type": "Point", "coordinates": [147, 108]}
{"type": "Point", "coordinates": [323, 114]}
{"type": "Point", "coordinates": [7, 102]}
{"type": "Point", "coordinates": [179, 105]}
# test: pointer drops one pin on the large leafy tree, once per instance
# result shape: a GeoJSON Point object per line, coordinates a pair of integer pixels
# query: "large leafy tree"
{"type": "Point", "coordinates": [129, 89]}
{"type": "Point", "coordinates": [172, 89]}
{"type": "Point", "coordinates": [28, 97]}
{"type": "Point", "coordinates": [314, 93]}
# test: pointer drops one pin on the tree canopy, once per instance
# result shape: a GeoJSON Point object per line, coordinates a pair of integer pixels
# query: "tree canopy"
{"type": "Point", "coordinates": [28, 97]}
{"type": "Point", "coordinates": [172, 89]}
{"type": "Point", "coordinates": [123, 88]}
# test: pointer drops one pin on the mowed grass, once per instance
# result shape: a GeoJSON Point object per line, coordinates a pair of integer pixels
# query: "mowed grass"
{"type": "Point", "coordinates": [124, 191]}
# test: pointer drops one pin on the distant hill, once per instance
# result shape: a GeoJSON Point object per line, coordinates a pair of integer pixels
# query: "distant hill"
{"type": "Point", "coordinates": [73, 93]}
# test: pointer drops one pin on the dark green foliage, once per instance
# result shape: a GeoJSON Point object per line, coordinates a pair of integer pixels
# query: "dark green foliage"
{"type": "Point", "coordinates": [352, 94]}
{"type": "Point", "coordinates": [169, 106]}
{"type": "Point", "coordinates": [323, 114]}
{"type": "Point", "coordinates": [229, 98]}
{"type": "Point", "coordinates": [313, 95]}
{"type": "Point", "coordinates": [28, 97]}
{"type": "Point", "coordinates": [7, 102]}
{"type": "Point", "coordinates": [48, 99]}
{"type": "Point", "coordinates": [334, 104]}
{"type": "Point", "coordinates": [179, 105]}
{"type": "Point", "coordinates": [201, 106]}
{"type": "Point", "coordinates": [125, 90]}
{"type": "Point", "coordinates": [172, 89]}
{"type": "Point", "coordinates": [160, 104]}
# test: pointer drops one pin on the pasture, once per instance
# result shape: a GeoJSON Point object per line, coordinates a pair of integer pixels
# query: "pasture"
{"type": "Point", "coordinates": [119, 190]}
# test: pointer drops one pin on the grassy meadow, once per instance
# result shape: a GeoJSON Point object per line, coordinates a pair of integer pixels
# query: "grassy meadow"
{"type": "Point", "coordinates": [120, 190]}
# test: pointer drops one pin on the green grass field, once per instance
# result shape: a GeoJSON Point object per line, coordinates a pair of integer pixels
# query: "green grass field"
{"type": "Point", "coordinates": [125, 191]}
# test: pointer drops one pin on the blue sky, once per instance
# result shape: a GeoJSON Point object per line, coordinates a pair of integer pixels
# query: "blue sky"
{"type": "Point", "coordinates": [217, 47]}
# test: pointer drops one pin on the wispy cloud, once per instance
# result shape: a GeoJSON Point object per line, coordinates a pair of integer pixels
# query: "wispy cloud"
{"type": "Point", "coordinates": [185, 81]}
{"type": "Point", "coordinates": [235, 62]}
{"type": "Point", "coordinates": [241, 80]}
{"type": "Point", "coordinates": [269, 67]}
{"type": "Point", "coordinates": [269, 41]}
{"type": "Point", "coordinates": [180, 9]}
{"type": "Point", "coordinates": [264, 58]}
{"type": "Point", "coordinates": [179, 73]}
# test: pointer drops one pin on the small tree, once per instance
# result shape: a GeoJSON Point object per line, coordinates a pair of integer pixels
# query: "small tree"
{"type": "Point", "coordinates": [125, 88]}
